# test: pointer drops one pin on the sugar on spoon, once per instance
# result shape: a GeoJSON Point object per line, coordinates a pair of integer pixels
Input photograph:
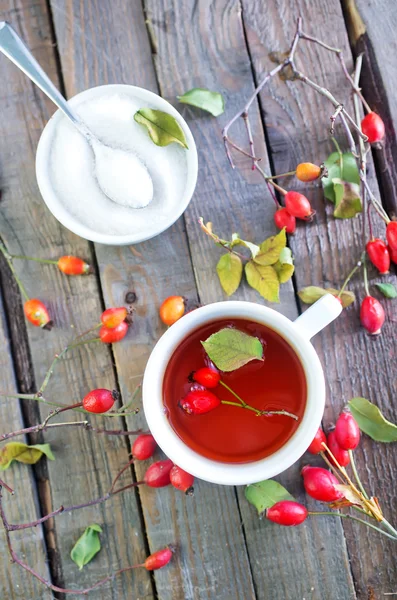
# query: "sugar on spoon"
{"type": "Point", "coordinates": [121, 175]}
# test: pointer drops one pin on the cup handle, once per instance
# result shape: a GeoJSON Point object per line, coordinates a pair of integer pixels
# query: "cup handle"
{"type": "Point", "coordinates": [318, 316]}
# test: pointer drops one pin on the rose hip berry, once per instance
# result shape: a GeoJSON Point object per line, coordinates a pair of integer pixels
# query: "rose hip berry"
{"type": "Point", "coordinates": [316, 446]}
{"type": "Point", "coordinates": [391, 235]}
{"type": "Point", "coordinates": [37, 313]}
{"type": "Point", "coordinates": [144, 446]}
{"type": "Point", "coordinates": [199, 402]}
{"type": "Point", "coordinates": [373, 127]}
{"type": "Point", "coordinates": [99, 401]}
{"type": "Point", "coordinates": [111, 317]}
{"type": "Point", "coordinates": [158, 474]}
{"type": "Point", "coordinates": [298, 205]}
{"type": "Point", "coordinates": [111, 336]}
{"type": "Point", "coordinates": [379, 255]}
{"type": "Point", "coordinates": [341, 456]}
{"type": "Point", "coordinates": [158, 559]}
{"type": "Point", "coordinates": [308, 171]}
{"type": "Point", "coordinates": [181, 480]}
{"type": "Point", "coordinates": [287, 513]}
{"type": "Point", "coordinates": [72, 265]}
{"type": "Point", "coordinates": [172, 309]}
{"type": "Point", "coordinates": [320, 484]}
{"type": "Point", "coordinates": [207, 377]}
{"type": "Point", "coordinates": [372, 315]}
{"type": "Point", "coordinates": [283, 218]}
{"type": "Point", "coordinates": [347, 432]}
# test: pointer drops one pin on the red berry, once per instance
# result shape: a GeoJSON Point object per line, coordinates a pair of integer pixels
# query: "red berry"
{"type": "Point", "coordinates": [316, 445]}
{"type": "Point", "coordinates": [393, 254]}
{"type": "Point", "coordinates": [341, 455]}
{"type": "Point", "coordinates": [320, 484]}
{"type": "Point", "coordinates": [111, 336]}
{"type": "Point", "coordinates": [158, 559]}
{"type": "Point", "coordinates": [181, 480]}
{"type": "Point", "coordinates": [144, 446]}
{"type": "Point", "coordinates": [379, 255]}
{"type": "Point", "coordinates": [158, 474]}
{"type": "Point", "coordinates": [207, 377]}
{"type": "Point", "coordinates": [37, 313]}
{"type": "Point", "coordinates": [283, 218]}
{"type": "Point", "coordinates": [111, 317]}
{"type": "Point", "coordinates": [172, 309]}
{"type": "Point", "coordinates": [199, 402]}
{"type": "Point", "coordinates": [287, 513]}
{"type": "Point", "coordinates": [72, 265]}
{"type": "Point", "coordinates": [391, 235]}
{"type": "Point", "coordinates": [372, 315]}
{"type": "Point", "coordinates": [308, 171]}
{"type": "Point", "coordinates": [298, 205]}
{"type": "Point", "coordinates": [373, 127]}
{"type": "Point", "coordinates": [99, 401]}
{"type": "Point", "coordinates": [347, 432]}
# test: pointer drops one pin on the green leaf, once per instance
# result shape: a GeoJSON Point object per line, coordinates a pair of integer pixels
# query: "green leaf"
{"type": "Point", "coordinates": [264, 280]}
{"type": "Point", "coordinates": [347, 199]}
{"type": "Point", "coordinates": [163, 128]}
{"type": "Point", "coordinates": [87, 546]}
{"type": "Point", "coordinates": [312, 293]}
{"type": "Point", "coordinates": [236, 241]}
{"type": "Point", "coordinates": [230, 271]}
{"type": "Point", "coordinates": [387, 289]}
{"type": "Point", "coordinates": [265, 494]}
{"type": "Point", "coordinates": [270, 249]}
{"type": "Point", "coordinates": [29, 455]}
{"type": "Point", "coordinates": [345, 169]}
{"type": "Point", "coordinates": [371, 421]}
{"type": "Point", "coordinates": [229, 349]}
{"type": "Point", "coordinates": [285, 265]}
{"type": "Point", "coordinates": [212, 102]}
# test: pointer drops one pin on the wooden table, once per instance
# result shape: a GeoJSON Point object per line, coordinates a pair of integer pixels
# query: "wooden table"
{"type": "Point", "coordinates": [170, 46]}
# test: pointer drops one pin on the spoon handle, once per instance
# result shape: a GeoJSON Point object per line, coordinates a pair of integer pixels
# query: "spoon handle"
{"type": "Point", "coordinates": [14, 48]}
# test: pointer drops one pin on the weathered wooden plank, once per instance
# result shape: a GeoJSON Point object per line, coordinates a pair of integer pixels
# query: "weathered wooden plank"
{"type": "Point", "coordinates": [85, 464]}
{"type": "Point", "coordinates": [237, 201]}
{"type": "Point", "coordinates": [205, 526]}
{"type": "Point", "coordinates": [297, 123]}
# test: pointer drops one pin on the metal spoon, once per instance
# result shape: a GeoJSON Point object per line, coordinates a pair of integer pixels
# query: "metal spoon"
{"type": "Point", "coordinates": [127, 180]}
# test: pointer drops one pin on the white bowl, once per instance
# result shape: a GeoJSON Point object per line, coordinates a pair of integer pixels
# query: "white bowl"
{"type": "Point", "coordinates": [297, 334]}
{"type": "Point", "coordinates": [59, 210]}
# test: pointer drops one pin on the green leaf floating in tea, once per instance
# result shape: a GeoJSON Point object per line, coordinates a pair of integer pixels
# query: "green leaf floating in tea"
{"type": "Point", "coordinates": [163, 128]}
{"type": "Point", "coordinates": [229, 349]}
{"type": "Point", "coordinates": [265, 494]}
{"type": "Point", "coordinates": [87, 546]}
{"type": "Point", "coordinates": [371, 421]}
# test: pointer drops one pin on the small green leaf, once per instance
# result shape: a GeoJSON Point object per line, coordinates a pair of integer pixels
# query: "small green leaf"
{"type": "Point", "coordinates": [236, 241]}
{"type": "Point", "coordinates": [229, 349]}
{"type": "Point", "coordinates": [162, 127]}
{"type": "Point", "coordinates": [87, 546]}
{"type": "Point", "coordinates": [371, 421]}
{"type": "Point", "coordinates": [29, 455]}
{"type": "Point", "coordinates": [212, 102]}
{"type": "Point", "coordinates": [345, 169]}
{"type": "Point", "coordinates": [264, 280]}
{"type": "Point", "coordinates": [347, 199]}
{"type": "Point", "coordinates": [265, 494]}
{"type": "Point", "coordinates": [285, 265]}
{"type": "Point", "coordinates": [387, 289]}
{"type": "Point", "coordinates": [312, 293]}
{"type": "Point", "coordinates": [270, 249]}
{"type": "Point", "coordinates": [230, 271]}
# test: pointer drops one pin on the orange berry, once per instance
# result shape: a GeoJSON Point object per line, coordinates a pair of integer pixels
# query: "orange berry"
{"type": "Point", "coordinates": [172, 309]}
{"type": "Point", "coordinates": [37, 313]}
{"type": "Point", "coordinates": [72, 265]}
{"type": "Point", "coordinates": [111, 317]}
{"type": "Point", "coordinates": [308, 171]}
{"type": "Point", "coordinates": [111, 336]}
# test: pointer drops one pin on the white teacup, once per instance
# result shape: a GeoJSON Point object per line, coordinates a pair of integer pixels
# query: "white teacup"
{"type": "Point", "coordinates": [297, 333]}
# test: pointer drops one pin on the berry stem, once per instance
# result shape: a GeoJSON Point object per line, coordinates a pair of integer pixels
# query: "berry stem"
{"type": "Point", "coordinates": [350, 275]}
{"type": "Point", "coordinates": [40, 260]}
{"type": "Point", "coordinates": [281, 175]}
{"type": "Point", "coordinates": [218, 240]}
{"type": "Point", "coordinates": [277, 187]}
{"type": "Point", "coordinates": [84, 424]}
{"type": "Point", "coordinates": [128, 404]}
{"type": "Point", "coordinates": [260, 413]}
{"type": "Point", "coordinates": [366, 287]}
{"type": "Point", "coordinates": [8, 258]}
{"type": "Point", "coordinates": [233, 393]}
{"type": "Point", "coordinates": [355, 473]}
{"type": "Point", "coordinates": [344, 516]}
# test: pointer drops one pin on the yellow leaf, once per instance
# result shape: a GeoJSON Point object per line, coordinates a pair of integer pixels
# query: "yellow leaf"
{"type": "Point", "coordinates": [264, 280]}
{"type": "Point", "coordinates": [270, 249]}
{"type": "Point", "coordinates": [230, 270]}
{"type": "Point", "coordinates": [29, 455]}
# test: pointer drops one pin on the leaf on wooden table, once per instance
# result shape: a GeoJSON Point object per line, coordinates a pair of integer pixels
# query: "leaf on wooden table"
{"type": "Point", "coordinates": [212, 102]}
{"type": "Point", "coordinates": [346, 296]}
{"type": "Point", "coordinates": [163, 128]}
{"type": "Point", "coordinates": [87, 546]}
{"type": "Point", "coordinates": [29, 455]}
{"type": "Point", "coordinates": [237, 241]}
{"type": "Point", "coordinates": [265, 494]}
{"type": "Point", "coordinates": [387, 289]}
{"type": "Point", "coordinates": [344, 168]}
{"type": "Point", "coordinates": [264, 280]}
{"type": "Point", "coordinates": [349, 494]}
{"type": "Point", "coordinates": [312, 293]}
{"type": "Point", "coordinates": [284, 267]}
{"type": "Point", "coordinates": [230, 271]}
{"type": "Point", "coordinates": [229, 349]}
{"type": "Point", "coordinates": [371, 421]}
{"type": "Point", "coordinates": [270, 249]}
{"type": "Point", "coordinates": [347, 199]}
